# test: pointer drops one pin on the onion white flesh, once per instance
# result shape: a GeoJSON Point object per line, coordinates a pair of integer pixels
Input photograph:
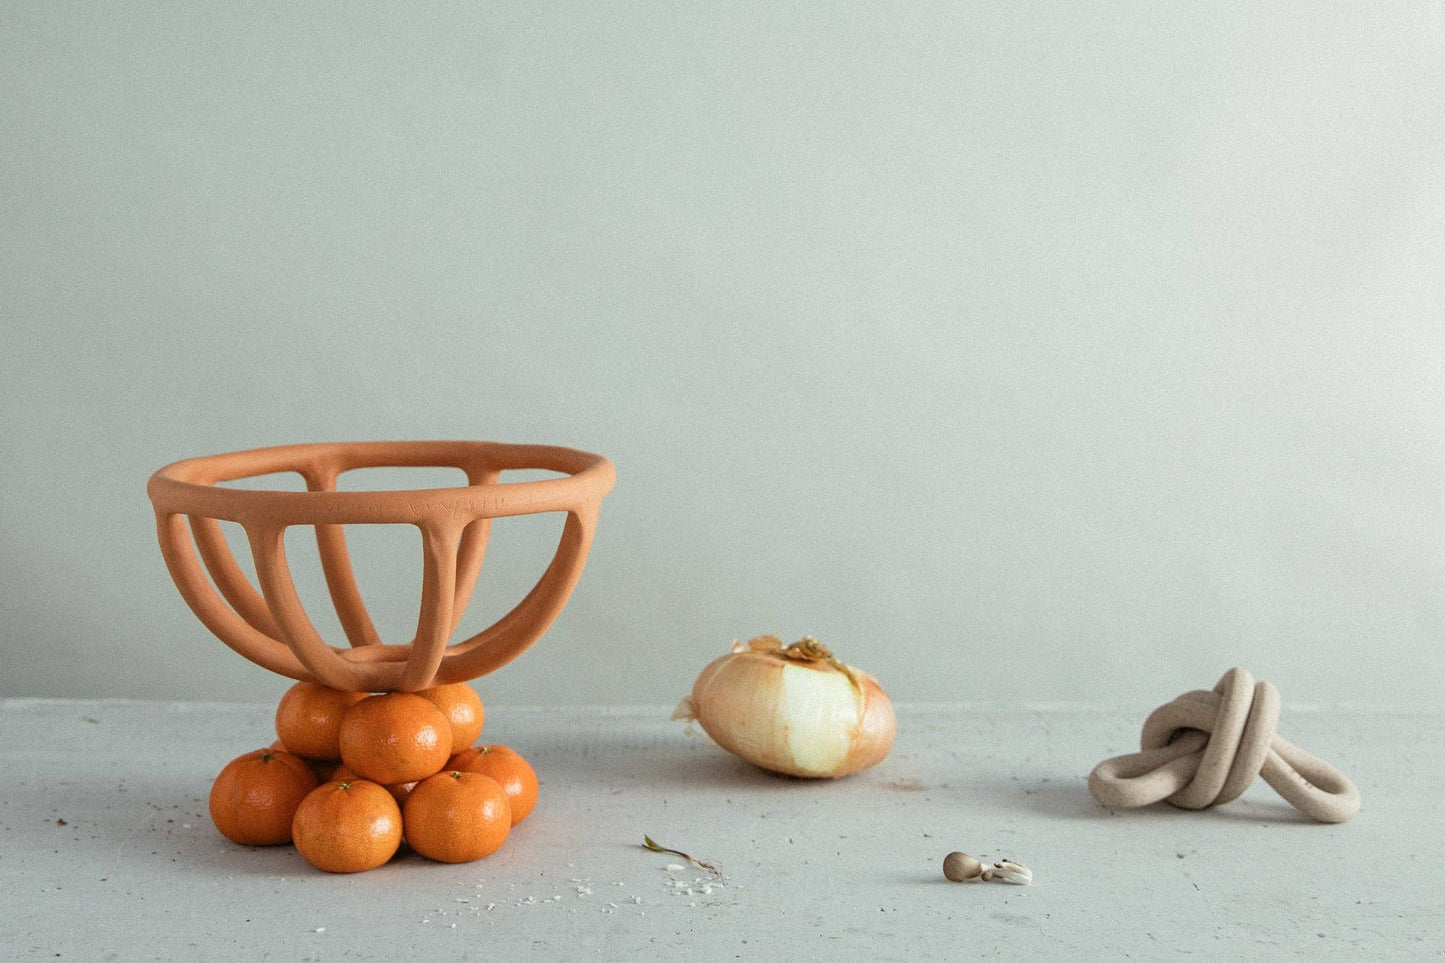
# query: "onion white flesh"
{"type": "Point", "coordinates": [795, 710]}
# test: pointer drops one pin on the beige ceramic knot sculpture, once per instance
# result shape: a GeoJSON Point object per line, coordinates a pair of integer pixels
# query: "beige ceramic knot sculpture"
{"type": "Point", "coordinates": [271, 629]}
{"type": "Point", "coordinates": [1205, 748]}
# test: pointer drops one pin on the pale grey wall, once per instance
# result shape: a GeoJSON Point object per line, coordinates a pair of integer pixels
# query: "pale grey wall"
{"type": "Point", "coordinates": [1041, 351]}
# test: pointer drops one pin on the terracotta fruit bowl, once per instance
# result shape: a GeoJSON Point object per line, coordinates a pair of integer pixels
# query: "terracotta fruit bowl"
{"type": "Point", "coordinates": [270, 627]}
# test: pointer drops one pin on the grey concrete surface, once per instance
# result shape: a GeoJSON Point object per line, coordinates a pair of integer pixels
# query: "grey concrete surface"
{"type": "Point", "coordinates": [106, 851]}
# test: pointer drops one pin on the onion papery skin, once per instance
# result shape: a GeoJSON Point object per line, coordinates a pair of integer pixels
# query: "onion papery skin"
{"type": "Point", "coordinates": [808, 719]}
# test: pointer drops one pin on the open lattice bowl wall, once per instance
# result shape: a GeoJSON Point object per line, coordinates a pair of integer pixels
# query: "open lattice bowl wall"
{"type": "Point", "coordinates": [271, 628]}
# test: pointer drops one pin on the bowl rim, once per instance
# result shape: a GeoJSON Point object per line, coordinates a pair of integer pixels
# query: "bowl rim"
{"type": "Point", "coordinates": [191, 486]}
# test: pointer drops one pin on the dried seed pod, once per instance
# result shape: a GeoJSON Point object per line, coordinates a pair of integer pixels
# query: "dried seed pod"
{"type": "Point", "coordinates": [1008, 871]}
{"type": "Point", "coordinates": [958, 867]}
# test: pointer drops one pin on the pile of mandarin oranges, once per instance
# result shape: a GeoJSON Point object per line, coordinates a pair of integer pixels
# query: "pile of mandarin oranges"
{"type": "Point", "coordinates": [352, 775]}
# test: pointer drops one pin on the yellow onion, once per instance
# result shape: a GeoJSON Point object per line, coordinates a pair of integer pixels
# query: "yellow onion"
{"type": "Point", "coordinates": [795, 710]}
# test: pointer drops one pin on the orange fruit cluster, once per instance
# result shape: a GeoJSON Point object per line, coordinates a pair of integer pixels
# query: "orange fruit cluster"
{"type": "Point", "coordinates": [352, 775]}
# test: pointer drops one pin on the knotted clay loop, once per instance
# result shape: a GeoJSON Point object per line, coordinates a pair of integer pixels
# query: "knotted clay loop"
{"type": "Point", "coordinates": [1205, 748]}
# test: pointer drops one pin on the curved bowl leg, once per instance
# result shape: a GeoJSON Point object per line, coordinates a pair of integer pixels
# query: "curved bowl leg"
{"type": "Point", "coordinates": [232, 582]}
{"type": "Point", "coordinates": [211, 609]}
{"type": "Point", "coordinates": [516, 631]}
{"type": "Point", "coordinates": [434, 624]}
{"type": "Point", "coordinates": [268, 548]}
{"type": "Point", "coordinates": [336, 566]}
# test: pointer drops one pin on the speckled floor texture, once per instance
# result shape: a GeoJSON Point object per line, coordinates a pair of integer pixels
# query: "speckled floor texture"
{"type": "Point", "coordinates": [107, 852]}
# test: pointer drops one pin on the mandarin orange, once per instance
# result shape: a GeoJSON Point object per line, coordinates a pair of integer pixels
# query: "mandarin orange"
{"type": "Point", "coordinates": [515, 775]}
{"type": "Point", "coordinates": [308, 719]}
{"type": "Point", "coordinates": [256, 795]}
{"type": "Point", "coordinates": [347, 826]}
{"type": "Point", "coordinates": [398, 790]}
{"type": "Point", "coordinates": [462, 706]}
{"type": "Point", "coordinates": [322, 769]}
{"type": "Point", "coordinates": [395, 737]}
{"type": "Point", "coordinates": [456, 817]}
